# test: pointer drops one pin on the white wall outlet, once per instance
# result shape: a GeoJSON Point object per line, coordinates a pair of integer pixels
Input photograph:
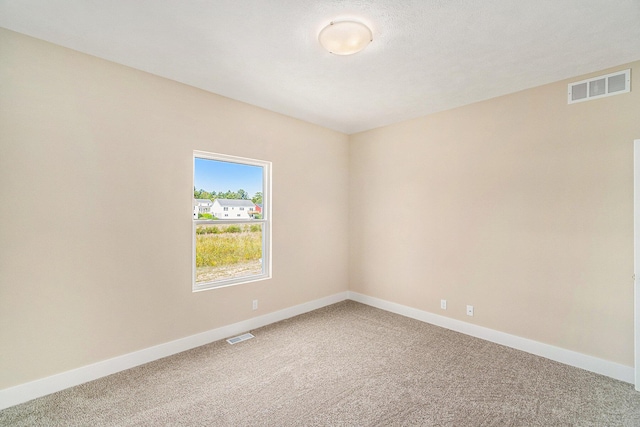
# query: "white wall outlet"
{"type": "Point", "coordinates": [469, 310]}
{"type": "Point", "coordinates": [255, 304]}
{"type": "Point", "coordinates": [443, 304]}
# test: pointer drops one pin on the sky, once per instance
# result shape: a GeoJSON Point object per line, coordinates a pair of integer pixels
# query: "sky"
{"type": "Point", "coordinates": [218, 176]}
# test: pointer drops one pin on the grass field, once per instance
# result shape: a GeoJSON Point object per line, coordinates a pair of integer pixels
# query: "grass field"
{"type": "Point", "coordinates": [222, 251]}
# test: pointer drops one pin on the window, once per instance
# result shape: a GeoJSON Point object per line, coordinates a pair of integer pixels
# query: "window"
{"type": "Point", "coordinates": [231, 251]}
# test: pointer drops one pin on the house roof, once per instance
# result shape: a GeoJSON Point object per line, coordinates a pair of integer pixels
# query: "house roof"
{"type": "Point", "coordinates": [203, 201]}
{"type": "Point", "coordinates": [426, 56]}
{"type": "Point", "coordinates": [235, 203]}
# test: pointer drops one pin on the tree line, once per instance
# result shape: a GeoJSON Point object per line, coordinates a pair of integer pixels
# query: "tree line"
{"type": "Point", "coordinates": [240, 195]}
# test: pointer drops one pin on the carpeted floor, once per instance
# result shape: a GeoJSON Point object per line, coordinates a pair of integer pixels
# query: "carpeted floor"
{"type": "Point", "coordinates": [344, 365]}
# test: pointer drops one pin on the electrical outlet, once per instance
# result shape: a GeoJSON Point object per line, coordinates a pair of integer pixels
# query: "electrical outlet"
{"type": "Point", "coordinates": [255, 304]}
{"type": "Point", "coordinates": [469, 310]}
{"type": "Point", "coordinates": [443, 304]}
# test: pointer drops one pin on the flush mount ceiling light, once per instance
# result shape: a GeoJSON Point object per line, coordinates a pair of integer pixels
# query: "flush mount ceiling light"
{"type": "Point", "coordinates": [345, 37]}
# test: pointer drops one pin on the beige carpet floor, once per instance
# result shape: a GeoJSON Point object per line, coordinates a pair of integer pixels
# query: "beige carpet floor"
{"type": "Point", "coordinates": [344, 365]}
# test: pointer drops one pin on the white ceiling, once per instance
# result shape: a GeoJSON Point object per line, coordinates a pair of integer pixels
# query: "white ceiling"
{"type": "Point", "coordinates": [426, 56]}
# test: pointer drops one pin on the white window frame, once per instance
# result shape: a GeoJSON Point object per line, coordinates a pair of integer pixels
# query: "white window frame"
{"type": "Point", "coordinates": [265, 221]}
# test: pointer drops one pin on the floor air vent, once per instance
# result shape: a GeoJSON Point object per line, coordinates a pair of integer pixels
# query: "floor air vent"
{"type": "Point", "coordinates": [240, 338]}
{"type": "Point", "coordinates": [601, 86]}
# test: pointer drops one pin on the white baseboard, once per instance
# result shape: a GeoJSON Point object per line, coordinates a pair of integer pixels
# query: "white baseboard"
{"type": "Point", "coordinates": [568, 357]}
{"type": "Point", "coordinates": [38, 388]}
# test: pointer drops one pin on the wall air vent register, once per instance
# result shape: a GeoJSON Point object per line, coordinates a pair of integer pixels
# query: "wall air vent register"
{"type": "Point", "coordinates": [601, 86]}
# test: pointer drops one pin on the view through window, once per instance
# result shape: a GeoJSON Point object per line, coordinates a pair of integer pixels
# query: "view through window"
{"type": "Point", "coordinates": [231, 223]}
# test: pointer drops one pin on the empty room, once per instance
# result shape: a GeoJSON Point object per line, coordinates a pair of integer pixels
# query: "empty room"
{"type": "Point", "coordinates": [295, 213]}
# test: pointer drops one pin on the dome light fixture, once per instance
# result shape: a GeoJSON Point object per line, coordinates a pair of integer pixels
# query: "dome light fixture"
{"type": "Point", "coordinates": [345, 37]}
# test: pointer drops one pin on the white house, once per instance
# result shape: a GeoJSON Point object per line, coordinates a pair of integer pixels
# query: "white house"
{"type": "Point", "coordinates": [232, 209]}
{"type": "Point", "coordinates": [201, 206]}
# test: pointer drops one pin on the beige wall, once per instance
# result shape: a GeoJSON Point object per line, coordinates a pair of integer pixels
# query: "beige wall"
{"type": "Point", "coordinates": [521, 205]}
{"type": "Point", "coordinates": [95, 209]}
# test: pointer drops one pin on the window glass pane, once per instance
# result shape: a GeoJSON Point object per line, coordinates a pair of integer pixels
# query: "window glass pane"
{"type": "Point", "coordinates": [227, 251]}
{"type": "Point", "coordinates": [224, 187]}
